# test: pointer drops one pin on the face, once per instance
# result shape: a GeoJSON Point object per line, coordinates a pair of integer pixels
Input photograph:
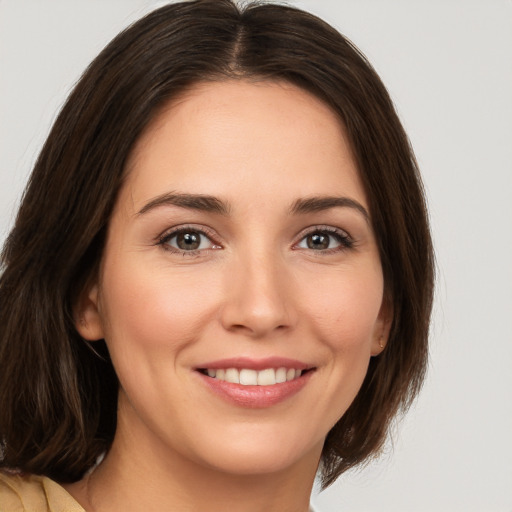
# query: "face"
{"type": "Point", "coordinates": [240, 291]}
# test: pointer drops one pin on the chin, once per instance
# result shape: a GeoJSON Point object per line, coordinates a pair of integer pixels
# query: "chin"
{"type": "Point", "coordinates": [255, 454]}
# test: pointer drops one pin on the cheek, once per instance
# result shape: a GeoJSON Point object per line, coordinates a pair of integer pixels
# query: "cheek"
{"type": "Point", "coordinates": [346, 321]}
{"type": "Point", "coordinates": [147, 308]}
{"type": "Point", "coordinates": [346, 309]}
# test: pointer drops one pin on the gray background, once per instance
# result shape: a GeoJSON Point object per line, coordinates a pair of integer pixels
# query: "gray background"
{"type": "Point", "coordinates": [448, 66]}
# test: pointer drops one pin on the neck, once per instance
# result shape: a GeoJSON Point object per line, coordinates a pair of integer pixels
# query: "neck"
{"type": "Point", "coordinates": [138, 475]}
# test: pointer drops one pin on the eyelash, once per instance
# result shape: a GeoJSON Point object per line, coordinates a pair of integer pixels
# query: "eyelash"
{"type": "Point", "coordinates": [164, 240]}
{"type": "Point", "coordinates": [342, 238]}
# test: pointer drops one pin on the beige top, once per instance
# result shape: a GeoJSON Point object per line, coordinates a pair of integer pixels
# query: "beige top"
{"type": "Point", "coordinates": [32, 493]}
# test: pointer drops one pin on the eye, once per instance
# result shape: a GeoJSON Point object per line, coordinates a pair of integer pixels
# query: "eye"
{"type": "Point", "coordinates": [187, 240]}
{"type": "Point", "coordinates": [325, 239]}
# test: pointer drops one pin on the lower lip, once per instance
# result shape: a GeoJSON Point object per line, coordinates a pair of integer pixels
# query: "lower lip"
{"type": "Point", "coordinates": [256, 397]}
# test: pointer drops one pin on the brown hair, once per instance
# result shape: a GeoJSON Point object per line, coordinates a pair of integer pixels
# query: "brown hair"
{"type": "Point", "coordinates": [58, 396]}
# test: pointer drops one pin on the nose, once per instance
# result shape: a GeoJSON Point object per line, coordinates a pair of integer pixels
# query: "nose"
{"type": "Point", "coordinates": [259, 298]}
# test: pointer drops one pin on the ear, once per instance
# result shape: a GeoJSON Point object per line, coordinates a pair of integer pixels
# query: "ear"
{"type": "Point", "coordinates": [382, 326]}
{"type": "Point", "coordinates": [88, 321]}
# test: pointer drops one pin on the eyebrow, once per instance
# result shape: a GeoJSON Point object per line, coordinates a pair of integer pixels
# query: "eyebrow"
{"type": "Point", "coordinates": [200, 202]}
{"type": "Point", "coordinates": [317, 204]}
{"type": "Point", "coordinates": [213, 204]}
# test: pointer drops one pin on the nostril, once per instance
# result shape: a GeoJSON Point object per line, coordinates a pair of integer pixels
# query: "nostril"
{"type": "Point", "coordinates": [256, 314]}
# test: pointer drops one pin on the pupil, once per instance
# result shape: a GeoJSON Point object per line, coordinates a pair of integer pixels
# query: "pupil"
{"type": "Point", "coordinates": [318, 241]}
{"type": "Point", "coordinates": [188, 241]}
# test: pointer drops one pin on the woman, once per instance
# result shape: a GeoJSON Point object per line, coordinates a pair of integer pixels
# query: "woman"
{"type": "Point", "coordinates": [220, 277]}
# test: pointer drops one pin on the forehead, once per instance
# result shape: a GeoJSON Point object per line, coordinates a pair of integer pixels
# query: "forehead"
{"type": "Point", "coordinates": [265, 135]}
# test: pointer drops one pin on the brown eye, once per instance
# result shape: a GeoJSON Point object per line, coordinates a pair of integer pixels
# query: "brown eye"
{"type": "Point", "coordinates": [188, 240]}
{"type": "Point", "coordinates": [326, 240]}
{"type": "Point", "coordinates": [318, 241]}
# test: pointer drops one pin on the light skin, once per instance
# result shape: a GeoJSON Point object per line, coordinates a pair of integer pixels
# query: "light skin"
{"type": "Point", "coordinates": [242, 230]}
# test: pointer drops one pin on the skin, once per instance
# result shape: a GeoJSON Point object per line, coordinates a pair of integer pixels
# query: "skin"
{"type": "Point", "coordinates": [254, 289]}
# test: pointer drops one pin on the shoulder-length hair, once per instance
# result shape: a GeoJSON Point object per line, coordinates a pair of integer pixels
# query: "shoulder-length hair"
{"type": "Point", "coordinates": [57, 395]}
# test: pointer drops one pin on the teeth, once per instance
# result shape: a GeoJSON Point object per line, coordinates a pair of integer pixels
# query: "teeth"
{"type": "Point", "coordinates": [267, 377]}
{"type": "Point", "coordinates": [281, 375]}
{"type": "Point", "coordinates": [247, 377]}
{"type": "Point", "coordinates": [233, 376]}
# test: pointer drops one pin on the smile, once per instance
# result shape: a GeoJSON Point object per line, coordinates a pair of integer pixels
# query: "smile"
{"type": "Point", "coordinates": [249, 377]}
{"type": "Point", "coordinates": [255, 383]}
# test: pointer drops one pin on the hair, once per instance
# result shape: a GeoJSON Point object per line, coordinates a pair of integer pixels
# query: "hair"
{"type": "Point", "coordinates": [58, 396]}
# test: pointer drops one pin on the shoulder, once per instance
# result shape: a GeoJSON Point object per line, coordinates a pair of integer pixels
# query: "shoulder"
{"type": "Point", "coordinates": [32, 493]}
{"type": "Point", "coordinates": [21, 493]}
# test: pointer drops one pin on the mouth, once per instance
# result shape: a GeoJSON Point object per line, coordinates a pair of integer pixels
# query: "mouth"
{"type": "Point", "coordinates": [255, 383]}
{"type": "Point", "coordinates": [250, 377]}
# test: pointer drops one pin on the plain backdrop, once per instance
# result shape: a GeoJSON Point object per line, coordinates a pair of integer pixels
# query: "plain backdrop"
{"type": "Point", "coordinates": [448, 67]}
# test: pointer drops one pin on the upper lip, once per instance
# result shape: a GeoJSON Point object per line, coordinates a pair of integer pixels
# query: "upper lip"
{"type": "Point", "coordinates": [255, 364]}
